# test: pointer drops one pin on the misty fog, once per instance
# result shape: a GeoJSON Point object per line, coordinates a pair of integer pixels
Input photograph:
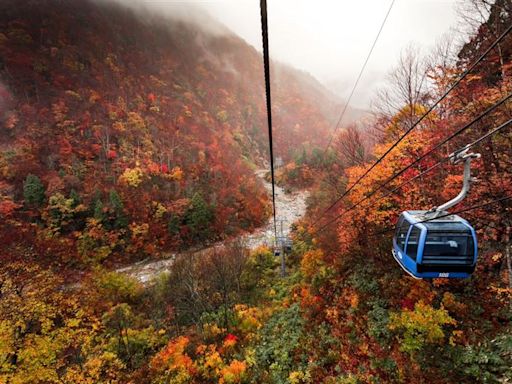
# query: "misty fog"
{"type": "Point", "coordinates": [329, 39]}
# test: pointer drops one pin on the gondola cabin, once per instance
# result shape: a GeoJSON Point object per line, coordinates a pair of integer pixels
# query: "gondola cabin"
{"type": "Point", "coordinates": [288, 244]}
{"type": "Point", "coordinates": [443, 247]}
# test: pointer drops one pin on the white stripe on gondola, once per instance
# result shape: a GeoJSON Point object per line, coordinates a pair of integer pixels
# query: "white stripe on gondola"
{"type": "Point", "coordinates": [401, 265]}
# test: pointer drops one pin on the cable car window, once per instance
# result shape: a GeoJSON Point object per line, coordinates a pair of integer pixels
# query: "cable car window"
{"type": "Point", "coordinates": [412, 243]}
{"type": "Point", "coordinates": [449, 244]}
{"type": "Point", "coordinates": [402, 234]}
{"type": "Point", "coordinates": [400, 221]}
{"type": "Point", "coordinates": [446, 226]}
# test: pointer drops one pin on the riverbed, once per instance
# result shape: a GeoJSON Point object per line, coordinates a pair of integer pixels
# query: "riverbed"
{"type": "Point", "coordinates": [289, 208]}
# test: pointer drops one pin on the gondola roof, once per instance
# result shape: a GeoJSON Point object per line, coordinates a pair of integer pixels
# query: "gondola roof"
{"type": "Point", "coordinates": [419, 217]}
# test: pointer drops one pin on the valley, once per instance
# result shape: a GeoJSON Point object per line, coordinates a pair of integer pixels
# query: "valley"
{"type": "Point", "coordinates": [136, 207]}
{"type": "Point", "coordinates": [291, 207]}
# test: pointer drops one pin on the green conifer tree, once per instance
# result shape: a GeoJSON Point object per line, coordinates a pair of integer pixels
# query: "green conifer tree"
{"type": "Point", "coordinates": [199, 217]}
{"type": "Point", "coordinates": [120, 220]}
{"type": "Point", "coordinates": [33, 190]}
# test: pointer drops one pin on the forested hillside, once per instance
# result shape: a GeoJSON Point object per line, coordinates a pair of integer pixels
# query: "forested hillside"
{"type": "Point", "coordinates": [377, 323]}
{"type": "Point", "coordinates": [126, 135]}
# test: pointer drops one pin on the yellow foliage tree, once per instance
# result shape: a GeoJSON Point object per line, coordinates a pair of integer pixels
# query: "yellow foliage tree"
{"type": "Point", "coordinates": [132, 177]}
{"type": "Point", "coordinates": [311, 263]}
{"type": "Point", "coordinates": [422, 326]}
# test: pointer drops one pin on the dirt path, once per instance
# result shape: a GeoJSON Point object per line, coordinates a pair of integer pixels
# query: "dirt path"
{"type": "Point", "coordinates": [289, 208]}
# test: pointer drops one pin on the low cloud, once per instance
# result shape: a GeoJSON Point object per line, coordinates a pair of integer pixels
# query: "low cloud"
{"type": "Point", "coordinates": [188, 12]}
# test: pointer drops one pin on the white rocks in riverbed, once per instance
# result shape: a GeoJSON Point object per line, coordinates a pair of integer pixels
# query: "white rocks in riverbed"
{"type": "Point", "coordinates": [289, 208]}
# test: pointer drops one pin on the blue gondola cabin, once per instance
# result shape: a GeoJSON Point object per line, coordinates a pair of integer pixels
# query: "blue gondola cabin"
{"type": "Point", "coordinates": [443, 247]}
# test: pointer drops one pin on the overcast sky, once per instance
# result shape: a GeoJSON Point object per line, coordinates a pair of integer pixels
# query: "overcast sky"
{"type": "Point", "coordinates": [331, 38]}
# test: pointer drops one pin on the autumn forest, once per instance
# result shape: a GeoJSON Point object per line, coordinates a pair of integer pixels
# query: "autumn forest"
{"type": "Point", "coordinates": [131, 140]}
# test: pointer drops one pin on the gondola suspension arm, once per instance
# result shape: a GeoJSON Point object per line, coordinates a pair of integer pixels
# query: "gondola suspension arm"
{"type": "Point", "coordinates": [457, 157]}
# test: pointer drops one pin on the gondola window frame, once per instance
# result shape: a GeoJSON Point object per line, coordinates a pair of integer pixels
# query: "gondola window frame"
{"type": "Point", "coordinates": [407, 251]}
{"type": "Point", "coordinates": [403, 233]}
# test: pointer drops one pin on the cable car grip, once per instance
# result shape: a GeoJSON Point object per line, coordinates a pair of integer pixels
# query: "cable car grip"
{"type": "Point", "coordinates": [455, 158]}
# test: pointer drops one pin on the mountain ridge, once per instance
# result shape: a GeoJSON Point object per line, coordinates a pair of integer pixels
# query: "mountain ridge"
{"type": "Point", "coordinates": [103, 104]}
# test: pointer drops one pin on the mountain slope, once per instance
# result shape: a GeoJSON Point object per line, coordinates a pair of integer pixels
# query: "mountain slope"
{"type": "Point", "coordinates": [139, 130]}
